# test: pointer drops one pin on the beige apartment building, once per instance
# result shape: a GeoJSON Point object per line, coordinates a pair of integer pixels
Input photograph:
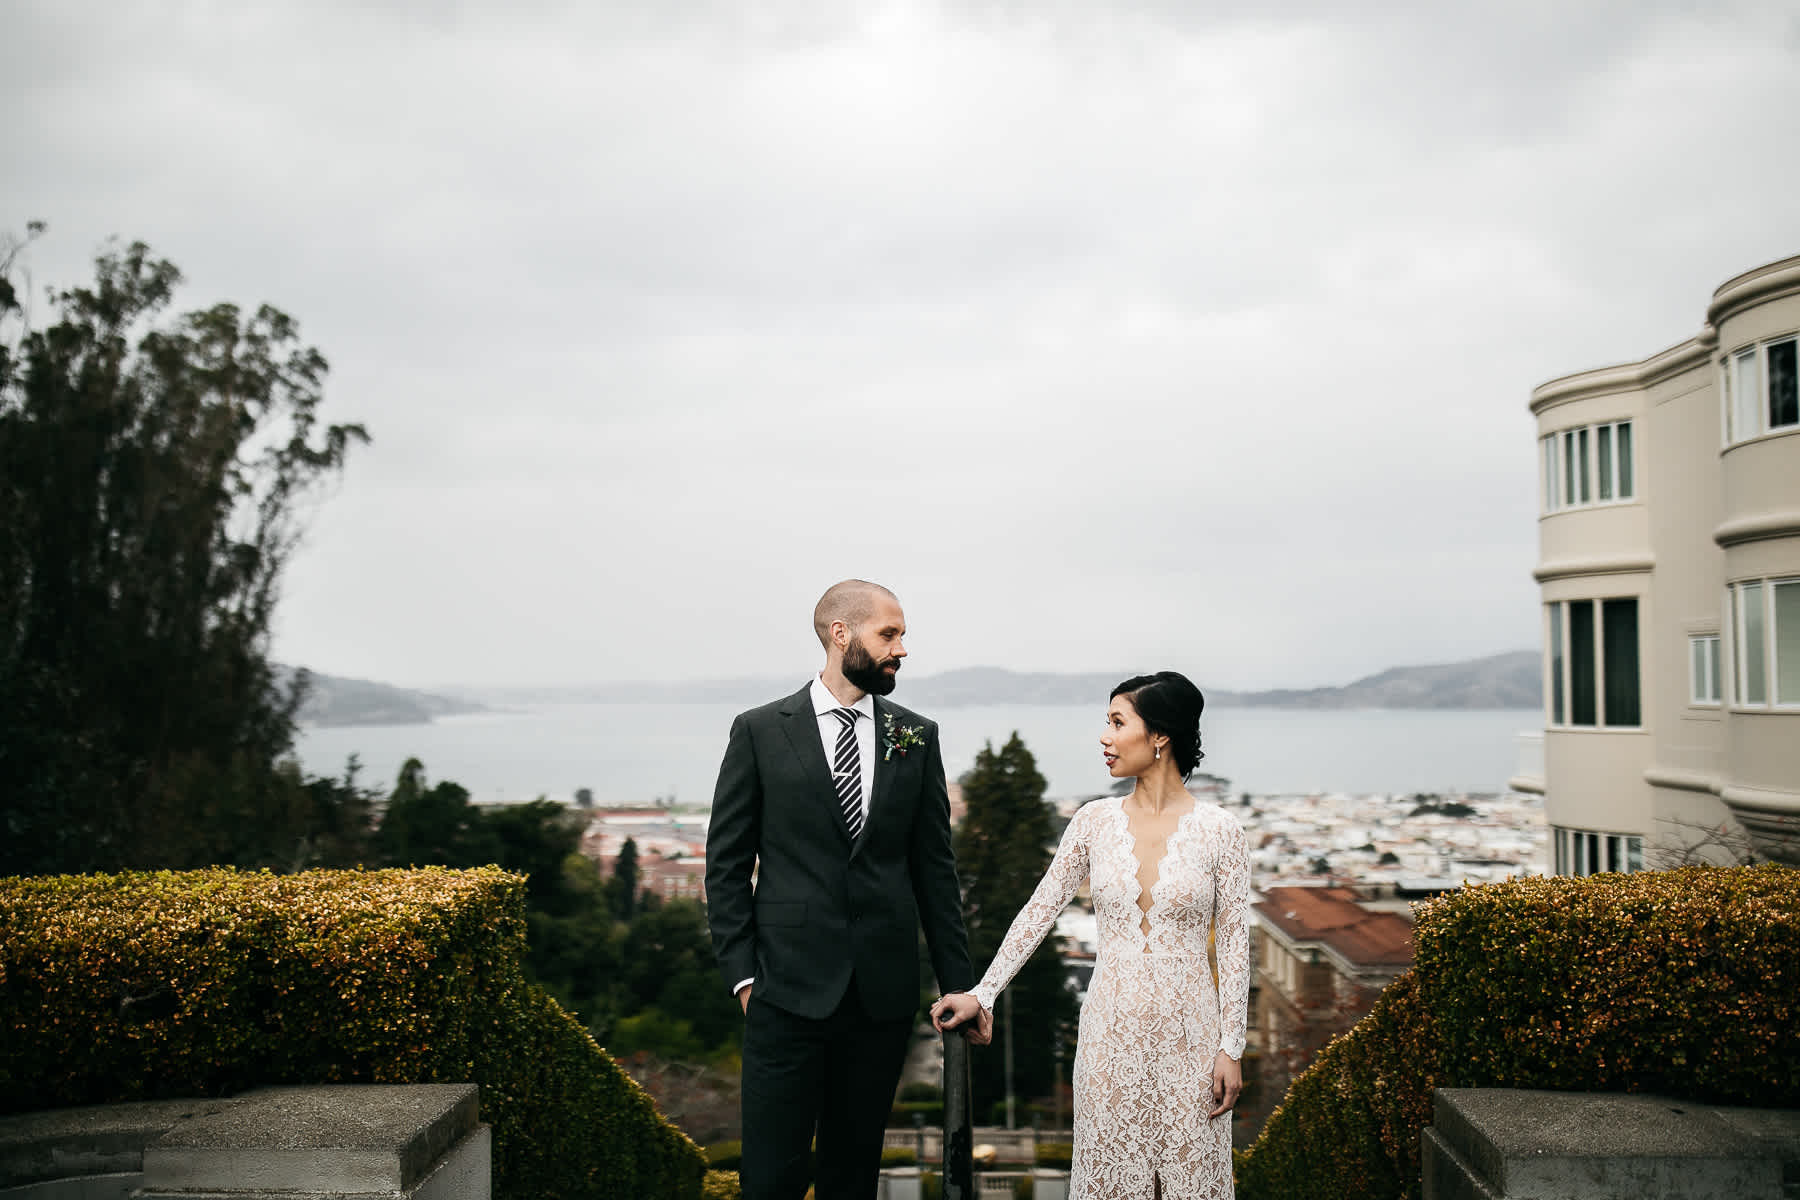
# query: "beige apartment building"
{"type": "Point", "coordinates": [1669, 556]}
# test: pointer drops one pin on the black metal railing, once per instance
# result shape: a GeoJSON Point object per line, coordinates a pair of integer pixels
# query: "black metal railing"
{"type": "Point", "coordinates": [959, 1121]}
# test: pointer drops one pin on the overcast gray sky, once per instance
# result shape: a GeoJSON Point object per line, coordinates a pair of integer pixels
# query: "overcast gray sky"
{"type": "Point", "coordinates": [1110, 336]}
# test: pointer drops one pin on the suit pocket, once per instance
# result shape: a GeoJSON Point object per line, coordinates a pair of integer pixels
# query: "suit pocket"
{"type": "Point", "coordinates": [781, 912]}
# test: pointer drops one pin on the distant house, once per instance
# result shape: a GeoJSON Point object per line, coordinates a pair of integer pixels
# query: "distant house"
{"type": "Point", "coordinates": [673, 879]}
{"type": "Point", "coordinates": [671, 849]}
{"type": "Point", "coordinates": [1322, 948]}
{"type": "Point", "coordinates": [1669, 558]}
{"type": "Point", "coordinates": [1320, 958]}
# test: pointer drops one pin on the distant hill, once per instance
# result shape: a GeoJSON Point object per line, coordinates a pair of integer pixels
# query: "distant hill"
{"type": "Point", "coordinates": [1498, 681]}
{"type": "Point", "coordinates": [1512, 680]}
{"type": "Point", "coordinates": [334, 700]}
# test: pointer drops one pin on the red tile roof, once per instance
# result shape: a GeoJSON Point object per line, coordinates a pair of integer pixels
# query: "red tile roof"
{"type": "Point", "coordinates": [1332, 917]}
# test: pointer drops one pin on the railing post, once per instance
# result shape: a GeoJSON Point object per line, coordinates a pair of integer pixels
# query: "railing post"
{"type": "Point", "coordinates": [959, 1122]}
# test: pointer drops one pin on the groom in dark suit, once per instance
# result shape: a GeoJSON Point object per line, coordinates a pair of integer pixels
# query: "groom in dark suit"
{"type": "Point", "coordinates": [834, 801]}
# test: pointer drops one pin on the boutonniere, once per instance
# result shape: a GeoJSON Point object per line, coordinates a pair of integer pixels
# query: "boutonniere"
{"type": "Point", "coordinates": [901, 737]}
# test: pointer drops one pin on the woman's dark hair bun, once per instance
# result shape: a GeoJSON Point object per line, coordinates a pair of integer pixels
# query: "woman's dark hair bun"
{"type": "Point", "coordinates": [1171, 705]}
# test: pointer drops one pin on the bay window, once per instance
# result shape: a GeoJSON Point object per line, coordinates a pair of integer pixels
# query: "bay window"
{"type": "Point", "coordinates": [1762, 389]}
{"type": "Point", "coordinates": [1765, 642]}
{"type": "Point", "coordinates": [1588, 852]}
{"type": "Point", "coordinates": [1593, 663]}
{"type": "Point", "coordinates": [1594, 464]}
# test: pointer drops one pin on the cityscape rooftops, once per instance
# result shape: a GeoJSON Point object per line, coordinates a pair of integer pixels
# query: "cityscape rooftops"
{"type": "Point", "coordinates": [1332, 917]}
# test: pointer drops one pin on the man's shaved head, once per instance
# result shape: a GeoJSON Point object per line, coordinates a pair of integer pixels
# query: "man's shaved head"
{"type": "Point", "coordinates": [852, 602]}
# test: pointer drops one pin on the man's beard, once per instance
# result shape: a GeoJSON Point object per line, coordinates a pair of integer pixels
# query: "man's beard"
{"type": "Point", "coordinates": [861, 669]}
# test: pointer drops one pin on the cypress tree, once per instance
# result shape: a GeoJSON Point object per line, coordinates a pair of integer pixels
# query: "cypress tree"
{"type": "Point", "coordinates": [1003, 846]}
{"type": "Point", "coordinates": [625, 881]}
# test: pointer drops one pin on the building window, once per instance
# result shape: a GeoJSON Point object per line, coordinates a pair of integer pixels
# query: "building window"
{"type": "Point", "coordinates": [1703, 669]}
{"type": "Point", "coordinates": [1762, 389]}
{"type": "Point", "coordinates": [1557, 659]}
{"type": "Point", "coordinates": [1765, 642]}
{"type": "Point", "coordinates": [1594, 464]}
{"type": "Point", "coordinates": [1586, 852]}
{"type": "Point", "coordinates": [1593, 661]}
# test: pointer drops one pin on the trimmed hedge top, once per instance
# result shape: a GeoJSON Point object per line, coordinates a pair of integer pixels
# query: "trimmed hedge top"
{"type": "Point", "coordinates": [200, 982]}
{"type": "Point", "coordinates": [159, 984]}
{"type": "Point", "coordinates": [1683, 981]}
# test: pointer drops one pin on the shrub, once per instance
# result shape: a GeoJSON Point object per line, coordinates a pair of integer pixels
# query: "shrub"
{"type": "Point", "coordinates": [1024, 1113]}
{"type": "Point", "coordinates": [1680, 981]}
{"type": "Point", "coordinates": [920, 1092]}
{"type": "Point", "coordinates": [653, 1031]}
{"type": "Point", "coordinates": [162, 984]}
{"type": "Point", "coordinates": [1055, 1154]}
{"type": "Point", "coordinates": [899, 1156]}
{"type": "Point", "coordinates": [719, 1185]}
{"type": "Point", "coordinates": [725, 1156]}
{"type": "Point", "coordinates": [1675, 981]}
{"type": "Point", "coordinates": [1349, 1125]}
{"type": "Point", "coordinates": [901, 1115]}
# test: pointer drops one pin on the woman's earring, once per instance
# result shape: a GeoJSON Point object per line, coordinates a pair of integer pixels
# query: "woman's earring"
{"type": "Point", "coordinates": [1158, 753]}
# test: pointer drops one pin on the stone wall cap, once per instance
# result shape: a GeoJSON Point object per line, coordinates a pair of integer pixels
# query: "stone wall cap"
{"type": "Point", "coordinates": [356, 1116]}
{"type": "Point", "coordinates": [379, 1136]}
{"type": "Point", "coordinates": [1517, 1122]}
{"type": "Point", "coordinates": [55, 1142]}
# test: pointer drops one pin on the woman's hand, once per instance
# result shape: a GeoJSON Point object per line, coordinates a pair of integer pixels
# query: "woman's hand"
{"type": "Point", "coordinates": [956, 1010]}
{"type": "Point", "coordinates": [1227, 1084]}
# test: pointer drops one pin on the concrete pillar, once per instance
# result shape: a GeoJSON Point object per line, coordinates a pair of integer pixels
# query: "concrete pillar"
{"type": "Point", "coordinates": [1513, 1144]}
{"type": "Point", "coordinates": [420, 1142]}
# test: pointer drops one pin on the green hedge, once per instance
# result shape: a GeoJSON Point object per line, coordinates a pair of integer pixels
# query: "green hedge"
{"type": "Point", "coordinates": [161, 984]}
{"type": "Point", "coordinates": [901, 1115]}
{"type": "Point", "coordinates": [1682, 982]}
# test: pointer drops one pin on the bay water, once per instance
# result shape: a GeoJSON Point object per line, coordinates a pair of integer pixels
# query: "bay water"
{"type": "Point", "coordinates": [669, 752]}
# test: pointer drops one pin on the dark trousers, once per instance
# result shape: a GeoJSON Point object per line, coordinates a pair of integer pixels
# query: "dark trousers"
{"type": "Point", "coordinates": [833, 1079]}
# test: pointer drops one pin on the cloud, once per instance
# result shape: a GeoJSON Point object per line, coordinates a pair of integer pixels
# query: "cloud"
{"type": "Point", "coordinates": [1099, 333]}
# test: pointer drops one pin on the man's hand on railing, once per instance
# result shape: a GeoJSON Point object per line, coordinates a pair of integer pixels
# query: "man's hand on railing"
{"type": "Point", "coordinates": [959, 1010]}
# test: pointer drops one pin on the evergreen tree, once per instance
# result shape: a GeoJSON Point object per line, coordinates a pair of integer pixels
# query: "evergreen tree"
{"type": "Point", "coordinates": [432, 826]}
{"type": "Point", "coordinates": [576, 956]}
{"type": "Point", "coordinates": [341, 825]}
{"type": "Point", "coordinates": [535, 840]}
{"type": "Point", "coordinates": [667, 966]}
{"type": "Point", "coordinates": [150, 479]}
{"type": "Point", "coordinates": [1003, 846]}
{"type": "Point", "coordinates": [624, 886]}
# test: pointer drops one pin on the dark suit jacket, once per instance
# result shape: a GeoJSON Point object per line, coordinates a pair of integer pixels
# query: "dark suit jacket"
{"type": "Point", "coordinates": [826, 909]}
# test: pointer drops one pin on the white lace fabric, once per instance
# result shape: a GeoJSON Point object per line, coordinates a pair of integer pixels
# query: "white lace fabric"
{"type": "Point", "coordinates": [1153, 1021]}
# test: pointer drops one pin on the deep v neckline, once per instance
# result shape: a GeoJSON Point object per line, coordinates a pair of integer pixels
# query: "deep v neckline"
{"type": "Point", "coordinates": [1144, 925]}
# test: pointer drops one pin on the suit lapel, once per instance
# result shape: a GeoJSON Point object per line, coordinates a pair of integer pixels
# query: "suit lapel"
{"type": "Point", "coordinates": [801, 725]}
{"type": "Point", "coordinates": [885, 766]}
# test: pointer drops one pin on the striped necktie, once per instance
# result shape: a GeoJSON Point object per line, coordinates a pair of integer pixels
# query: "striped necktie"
{"type": "Point", "coordinates": [846, 770]}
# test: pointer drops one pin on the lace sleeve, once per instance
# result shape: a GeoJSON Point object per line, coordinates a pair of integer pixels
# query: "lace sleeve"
{"type": "Point", "coordinates": [1231, 926]}
{"type": "Point", "coordinates": [1054, 891]}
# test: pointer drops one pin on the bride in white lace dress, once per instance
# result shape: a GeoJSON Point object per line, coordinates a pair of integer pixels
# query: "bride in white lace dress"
{"type": "Point", "coordinates": [1157, 1061]}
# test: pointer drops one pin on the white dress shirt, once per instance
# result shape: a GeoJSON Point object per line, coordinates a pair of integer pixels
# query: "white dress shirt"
{"type": "Point", "coordinates": [824, 704]}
